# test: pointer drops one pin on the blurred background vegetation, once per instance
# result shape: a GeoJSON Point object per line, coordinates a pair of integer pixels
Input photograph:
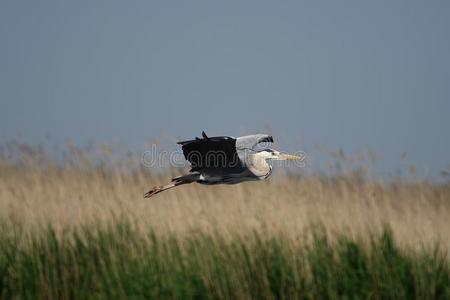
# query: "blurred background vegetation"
{"type": "Point", "coordinates": [76, 226]}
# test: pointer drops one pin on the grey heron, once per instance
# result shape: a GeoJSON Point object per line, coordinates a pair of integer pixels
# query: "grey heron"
{"type": "Point", "coordinates": [225, 160]}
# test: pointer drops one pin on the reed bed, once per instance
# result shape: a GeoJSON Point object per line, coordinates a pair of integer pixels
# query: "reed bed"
{"type": "Point", "coordinates": [80, 228]}
{"type": "Point", "coordinates": [118, 262]}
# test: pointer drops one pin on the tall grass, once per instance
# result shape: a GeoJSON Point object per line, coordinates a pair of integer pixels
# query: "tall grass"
{"type": "Point", "coordinates": [36, 191]}
{"type": "Point", "coordinates": [81, 229]}
{"type": "Point", "coordinates": [119, 262]}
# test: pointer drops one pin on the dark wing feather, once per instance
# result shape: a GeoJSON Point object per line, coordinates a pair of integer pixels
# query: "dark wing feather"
{"type": "Point", "coordinates": [218, 153]}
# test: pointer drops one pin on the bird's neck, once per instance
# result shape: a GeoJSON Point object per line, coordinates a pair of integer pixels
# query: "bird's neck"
{"type": "Point", "coordinates": [260, 166]}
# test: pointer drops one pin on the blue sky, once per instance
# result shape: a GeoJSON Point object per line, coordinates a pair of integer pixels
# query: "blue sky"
{"type": "Point", "coordinates": [355, 75]}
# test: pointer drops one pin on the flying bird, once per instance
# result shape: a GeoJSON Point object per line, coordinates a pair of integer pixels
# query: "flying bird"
{"type": "Point", "coordinates": [225, 160]}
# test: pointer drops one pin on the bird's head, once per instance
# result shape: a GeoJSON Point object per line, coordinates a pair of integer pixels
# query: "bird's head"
{"type": "Point", "coordinates": [271, 154]}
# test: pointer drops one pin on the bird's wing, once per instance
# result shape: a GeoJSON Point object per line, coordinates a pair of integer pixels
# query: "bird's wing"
{"type": "Point", "coordinates": [250, 141]}
{"type": "Point", "coordinates": [218, 153]}
{"type": "Point", "coordinates": [206, 138]}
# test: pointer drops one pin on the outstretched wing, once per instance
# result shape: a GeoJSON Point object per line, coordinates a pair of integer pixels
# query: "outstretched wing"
{"type": "Point", "coordinates": [250, 141]}
{"type": "Point", "coordinates": [218, 153]}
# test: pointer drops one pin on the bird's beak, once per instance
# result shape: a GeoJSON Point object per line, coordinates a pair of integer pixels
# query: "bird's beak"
{"type": "Point", "coordinates": [288, 157]}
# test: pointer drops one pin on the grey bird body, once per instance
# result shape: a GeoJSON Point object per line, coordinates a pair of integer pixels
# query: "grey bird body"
{"type": "Point", "coordinates": [225, 160]}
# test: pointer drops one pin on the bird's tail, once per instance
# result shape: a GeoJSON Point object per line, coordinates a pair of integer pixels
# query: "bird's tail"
{"type": "Point", "coordinates": [184, 179]}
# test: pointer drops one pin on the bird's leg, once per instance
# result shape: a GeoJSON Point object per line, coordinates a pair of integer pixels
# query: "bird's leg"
{"type": "Point", "coordinates": [153, 191]}
{"type": "Point", "coordinates": [189, 178]}
{"type": "Point", "coordinates": [161, 188]}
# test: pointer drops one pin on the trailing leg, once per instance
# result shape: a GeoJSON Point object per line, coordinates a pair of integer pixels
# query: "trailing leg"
{"type": "Point", "coordinates": [189, 178]}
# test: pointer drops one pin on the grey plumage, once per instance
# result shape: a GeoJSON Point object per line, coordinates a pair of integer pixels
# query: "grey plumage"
{"type": "Point", "coordinates": [225, 160]}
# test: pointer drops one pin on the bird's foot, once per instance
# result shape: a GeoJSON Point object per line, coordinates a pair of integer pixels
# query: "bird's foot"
{"type": "Point", "coordinates": [153, 192]}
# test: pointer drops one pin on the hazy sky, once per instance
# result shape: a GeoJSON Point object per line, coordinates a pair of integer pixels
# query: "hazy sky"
{"type": "Point", "coordinates": [352, 74]}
